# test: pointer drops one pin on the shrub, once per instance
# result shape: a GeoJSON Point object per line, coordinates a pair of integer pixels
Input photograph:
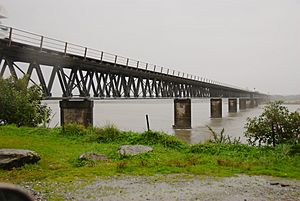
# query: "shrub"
{"type": "Point", "coordinates": [276, 125]}
{"type": "Point", "coordinates": [73, 130]}
{"type": "Point", "coordinates": [153, 137]}
{"type": "Point", "coordinates": [107, 134]}
{"type": "Point", "coordinates": [21, 105]}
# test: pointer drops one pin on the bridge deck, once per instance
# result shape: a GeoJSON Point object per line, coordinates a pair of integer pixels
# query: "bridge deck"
{"type": "Point", "coordinates": [103, 74]}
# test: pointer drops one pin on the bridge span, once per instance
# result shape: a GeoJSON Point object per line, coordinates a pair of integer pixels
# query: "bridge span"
{"type": "Point", "coordinates": [89, 74]}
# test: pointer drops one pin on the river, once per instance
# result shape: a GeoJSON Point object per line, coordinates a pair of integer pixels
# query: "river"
{"type": "Point", "coordinates": [130, 115]}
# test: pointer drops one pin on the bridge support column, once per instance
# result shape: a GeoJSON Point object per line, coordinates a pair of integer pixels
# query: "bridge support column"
{"type": "Point", "coordinates": [182, 113]}
{"type": "Point", "coordinates": [216, 108]}
{"type": "Point", "coordinates": [80, 112]}
{"type": "Point", "coordinates": [242, 104]}
{"type": "Point", "coordinates": [232, 105]}
{"type": "Point", "coordinates": [250, 103]}
{"type": "Point", "coordinates": [256, 102]}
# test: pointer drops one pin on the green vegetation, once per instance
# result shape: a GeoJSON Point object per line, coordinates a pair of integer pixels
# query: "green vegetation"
{"type": "Point", "coordinates": [60, 150]}
{"type": "Point", "coordinates": [276, 125]}
{"type": "Point", "coordinates": [21, 105]}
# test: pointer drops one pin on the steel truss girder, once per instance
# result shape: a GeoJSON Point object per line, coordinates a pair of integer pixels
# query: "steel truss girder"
{"type": "Point", "coordinates": [101, 84]}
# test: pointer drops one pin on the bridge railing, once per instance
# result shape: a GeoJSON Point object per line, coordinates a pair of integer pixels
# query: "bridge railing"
{"type": "Point", "coordinates": [46, 43]}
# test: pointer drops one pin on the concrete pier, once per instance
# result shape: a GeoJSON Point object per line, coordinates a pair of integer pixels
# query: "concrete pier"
{"type": "Point", "coordinates": [250, 103]}
{"type": "Point", "coordinates": [182, 114]}
{"type": "Point", "coordinates": [76, 111]}
{"type": "Point", "coordinates": [256, 102]}
{"type": "Point", "coordinates": [242, 104]}
{"type": "Point", "coordinates": [216, 108]}
{"type": "Point", "coordinates": [232, 105]}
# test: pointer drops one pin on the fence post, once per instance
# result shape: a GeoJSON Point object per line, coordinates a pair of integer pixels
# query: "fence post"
{"type": "Point", "coordinates": [127, 61]}
{"type": "Point", "coordinates": [154, 68]}
{"type": "Point", "coordinates": [137, 64]}
{"type": "Point", "coordinates": [146, 66]}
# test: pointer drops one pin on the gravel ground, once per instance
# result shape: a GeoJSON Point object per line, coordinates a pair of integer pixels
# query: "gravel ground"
{"type": "Point", "coordinates": [175, 187]}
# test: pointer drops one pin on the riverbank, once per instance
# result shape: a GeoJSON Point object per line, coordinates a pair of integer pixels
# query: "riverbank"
{"type": "Point", "coordinates": [60, 164]}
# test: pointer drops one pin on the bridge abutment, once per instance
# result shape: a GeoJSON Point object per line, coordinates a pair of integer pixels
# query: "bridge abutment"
{"type": "Point", "coordinates": [232, 105]}
{"type": "Point", "coordinates": [242, 104]}
{"type": "Point", "coordinates": [76, 111]}
{"type": "Point", "coordinates": [216, 108]}
{"type": "Point", "coordinates": [182, 114]}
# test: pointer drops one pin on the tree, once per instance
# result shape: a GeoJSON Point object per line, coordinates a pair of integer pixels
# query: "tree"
{"type": "Point", "coordinates": [21, 105]}
{"type": "Point", "coordinates": [275, 125]}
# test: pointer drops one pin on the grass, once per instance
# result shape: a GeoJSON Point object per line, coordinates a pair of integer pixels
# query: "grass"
{"type": "Point", "coordinates": [60, 150]}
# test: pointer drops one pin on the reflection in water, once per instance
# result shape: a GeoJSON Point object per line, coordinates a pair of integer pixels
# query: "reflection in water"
{"type": "Point", "coordinates": [130, 115]}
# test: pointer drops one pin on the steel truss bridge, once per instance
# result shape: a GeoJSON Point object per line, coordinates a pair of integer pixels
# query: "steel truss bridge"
{"type": "Point", "coordinates": [88, 73]}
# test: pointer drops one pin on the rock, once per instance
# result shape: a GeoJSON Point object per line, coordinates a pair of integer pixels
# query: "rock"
{"type": "Point", "coordinates": [94, 156]}
{"type": "Point", "coordinates": [126, 150]}
{"type": "Point", "coordinates": [10, 158]}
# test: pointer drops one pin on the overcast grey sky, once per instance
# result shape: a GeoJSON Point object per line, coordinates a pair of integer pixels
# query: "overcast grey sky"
{"type": "Point", "coordinates": [247, 43]}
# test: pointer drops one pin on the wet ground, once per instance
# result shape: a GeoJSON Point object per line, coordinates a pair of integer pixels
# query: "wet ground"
{"type": "Point", "coordinates": [178, 187]}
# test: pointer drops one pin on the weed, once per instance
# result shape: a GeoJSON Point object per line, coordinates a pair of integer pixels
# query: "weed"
{"type": "Point", "coordinates": [152, 137]}
{"type": "Point", "coordinates": [109, 133]}
{"type": "Point", "coordinates": [176, 163]}
{"type": "Point", "coordinates": [81, 162]}
{"type": "Point", "coordinates": [235, 164]}
{"type": "Point", "coordinates": [121, 166]}
{"type": "Point", "coordinates": [73, 130]}
{"type": "Point", "coordinates": [222, 138]}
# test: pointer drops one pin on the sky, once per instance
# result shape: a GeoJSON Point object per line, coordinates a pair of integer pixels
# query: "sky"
{"type": "Point", "coordinates": [252, 44]}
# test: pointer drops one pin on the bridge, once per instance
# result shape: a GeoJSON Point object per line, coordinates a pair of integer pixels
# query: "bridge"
{"type": "Point", "coordinates": [88, 74]}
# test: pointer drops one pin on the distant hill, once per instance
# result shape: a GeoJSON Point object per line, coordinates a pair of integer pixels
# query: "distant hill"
{"type": "Point", "coordinates": [295, 99]}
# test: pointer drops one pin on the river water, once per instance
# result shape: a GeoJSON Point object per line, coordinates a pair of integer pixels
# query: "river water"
{"type": "Point", "coordinates": [130, 115]}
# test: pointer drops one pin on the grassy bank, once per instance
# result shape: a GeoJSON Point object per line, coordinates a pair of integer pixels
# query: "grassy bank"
{"type": "Point", "coordinates": [60, 151]}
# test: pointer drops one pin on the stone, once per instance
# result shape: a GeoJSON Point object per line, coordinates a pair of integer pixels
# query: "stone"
{"type": "Point", "coordinates": [131, 150]}
{"type": "Point", "coordinates": [12, 158]}
{"type": "Point", "coordinates": [94, 156]}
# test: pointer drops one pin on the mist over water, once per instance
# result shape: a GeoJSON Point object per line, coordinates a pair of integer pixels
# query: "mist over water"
{"type": "Point", "coordinates": [130, 115]}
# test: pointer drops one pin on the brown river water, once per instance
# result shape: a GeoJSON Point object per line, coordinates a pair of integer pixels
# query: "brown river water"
{"type": "Point", "coordinates": [130, 115]}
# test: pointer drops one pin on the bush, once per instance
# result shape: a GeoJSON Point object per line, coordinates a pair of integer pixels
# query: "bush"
{"type": "Point", "coordinates": [73, 130]}
{"type": "Point", "coordinates": [107, 134]}
{"type": "Point", "coordinates": [152, 137]}
{"type": "Point", "coordinates": [21, 105]}
{"type": "Point", "coordinates": [276, 125]}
